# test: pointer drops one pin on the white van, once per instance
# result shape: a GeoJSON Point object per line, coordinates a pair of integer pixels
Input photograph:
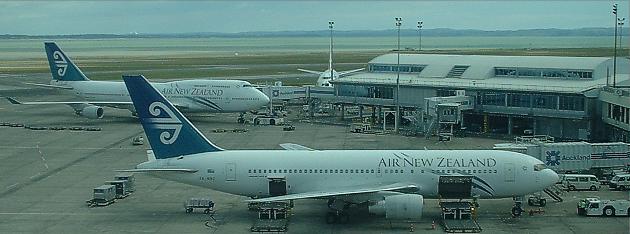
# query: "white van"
{"type": "Point", "coordinates": [620, 182]}
{"type": "Point", "coordinates": [580, 182]}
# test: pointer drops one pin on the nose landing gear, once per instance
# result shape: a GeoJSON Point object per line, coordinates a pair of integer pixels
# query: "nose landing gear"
{"type": "Point", "coordinates": [517, 208]}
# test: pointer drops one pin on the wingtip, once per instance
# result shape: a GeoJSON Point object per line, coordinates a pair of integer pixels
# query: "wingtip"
{"type": "Point", "coordinates": [13, 101]}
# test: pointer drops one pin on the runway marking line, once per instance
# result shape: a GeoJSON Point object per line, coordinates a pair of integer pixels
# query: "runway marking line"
{"type": "Point", "coordinates": [81, 148]}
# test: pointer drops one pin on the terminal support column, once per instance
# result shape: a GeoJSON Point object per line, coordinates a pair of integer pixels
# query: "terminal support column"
{"type": "Point", "coordinates": [343, 112]}
{"type": "Point", "coordinates": [510, 125]}
{"type": "Point", "coordinates": [373, 115]}
{"type": "Point", "coordinates": [361, 113]}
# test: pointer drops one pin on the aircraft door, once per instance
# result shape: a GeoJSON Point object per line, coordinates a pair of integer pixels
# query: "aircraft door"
{"type": "Point", "coordinates": [230, 172]}
{"type": "Point", "coordinates": [277, 187]}
{"type": "Point", "coordinates": [509, 172]}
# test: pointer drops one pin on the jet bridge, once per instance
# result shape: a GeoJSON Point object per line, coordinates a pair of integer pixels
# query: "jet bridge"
{"type": "Point", "coordinates": [443, 113]}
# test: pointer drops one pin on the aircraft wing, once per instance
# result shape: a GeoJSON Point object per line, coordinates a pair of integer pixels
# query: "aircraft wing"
{"type": "Point", "coordinates": [310, 71]}
{"type": "Point", "coordinates": [343, 73]}
{"type": "Point", "coordinates": [291, 146]}
{"type": "Point", "coordinates": [48, 85]}
{"type": "Point", "coordinates": [341, 192]}
{"type": "Point", "coordinates": [161, 170]}
{"type": "Point", "coordinates": [14, 101]}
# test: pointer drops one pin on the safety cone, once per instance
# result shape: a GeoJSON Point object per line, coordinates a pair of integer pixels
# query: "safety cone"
{"type": "Point", "coordinates": [433, 225]}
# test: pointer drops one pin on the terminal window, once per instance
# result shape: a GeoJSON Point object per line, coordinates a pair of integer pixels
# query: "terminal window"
{"type": "Point", "coordinates": [405, 68]}
{"type": "Point", "coordinates": [543, 72]}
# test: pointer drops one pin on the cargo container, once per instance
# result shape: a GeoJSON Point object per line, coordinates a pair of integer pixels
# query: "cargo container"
{"type": "Point", "coordinates": [103, 195]}
{"type": "Point", "coordinates": [121, 188]}
{"type": "Point", "coordinates": [129, 179]}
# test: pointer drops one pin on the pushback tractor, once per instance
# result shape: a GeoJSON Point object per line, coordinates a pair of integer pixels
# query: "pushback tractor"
{"type": "Point", "coordinates": [596, 207]}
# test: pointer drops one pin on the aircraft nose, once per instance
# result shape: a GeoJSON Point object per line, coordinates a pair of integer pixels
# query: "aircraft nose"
{"type": "Point", "coordinates": [264, 100]}
{"type": "Point", "coordinates": [551, 177]}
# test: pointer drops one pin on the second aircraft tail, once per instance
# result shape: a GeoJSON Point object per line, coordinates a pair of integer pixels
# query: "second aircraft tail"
{"type": "Point", "coordinates": [61, 67]}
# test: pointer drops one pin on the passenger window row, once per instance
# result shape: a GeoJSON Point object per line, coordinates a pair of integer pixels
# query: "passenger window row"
{"type": "Point", "coordinates": [312, 171]}
{"type": "Point", "coordinates": [486, 171]}
{"type": "Point", "coordinates": [363, 171]}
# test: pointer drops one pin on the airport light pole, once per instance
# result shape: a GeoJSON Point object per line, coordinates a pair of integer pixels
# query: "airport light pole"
{"type": "Point", "coordinates": [614, 11]}
{"type": "Point", "coordinates": [620, 23]}
{"type": "Point", "coordinates": [419, 35]}
{"type": "Point", "coordinates": [396, 121]}
{"type": "Point", "coordinates": [330, 26]}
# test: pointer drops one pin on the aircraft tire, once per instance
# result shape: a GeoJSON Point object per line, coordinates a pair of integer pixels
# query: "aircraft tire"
{"type": "Point", "coordinates": [516, 211]}
{"type": "Point", "coordinates": [331, 218]}
{"type": "Point", "coordinates": [609, 211]}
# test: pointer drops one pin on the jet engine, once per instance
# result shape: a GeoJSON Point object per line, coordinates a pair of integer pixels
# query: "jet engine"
{"type": "Point", "coordinates": [399, 207]}
{"type": "Point", "coordinates": [91, 112]}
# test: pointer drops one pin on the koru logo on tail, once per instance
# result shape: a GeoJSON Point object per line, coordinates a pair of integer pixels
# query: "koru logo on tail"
{"type": "Point", "coordinates": [170, 124]}
{"type": "Point", "coordinates": [60, 62]}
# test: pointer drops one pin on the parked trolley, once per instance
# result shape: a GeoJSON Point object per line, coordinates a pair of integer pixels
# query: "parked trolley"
{"type": "Point", "coordinates": [199, 203]}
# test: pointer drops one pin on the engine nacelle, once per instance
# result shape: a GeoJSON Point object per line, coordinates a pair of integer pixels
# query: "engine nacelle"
{"type": "Point", "coordinates": [399, 207]}
{"type": "Point", "coordinates": [92, 112]}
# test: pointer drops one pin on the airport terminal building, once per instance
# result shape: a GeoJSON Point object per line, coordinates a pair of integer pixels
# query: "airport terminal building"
{"type": "Point", "coordinates": [556, 96]}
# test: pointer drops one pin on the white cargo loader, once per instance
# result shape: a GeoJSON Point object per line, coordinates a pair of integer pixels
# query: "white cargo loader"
{"type": "Point", "coordinates": [595, 207]}
{"type": "Point", "coordinates": [267, 120]}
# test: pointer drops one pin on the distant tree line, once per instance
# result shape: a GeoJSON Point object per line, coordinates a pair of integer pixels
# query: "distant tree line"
{"type": "Point", "coordinates": [436, 32]}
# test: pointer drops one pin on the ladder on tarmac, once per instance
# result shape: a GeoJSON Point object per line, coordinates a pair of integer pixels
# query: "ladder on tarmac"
{"type": "Point", "coordinates": [554, 193]}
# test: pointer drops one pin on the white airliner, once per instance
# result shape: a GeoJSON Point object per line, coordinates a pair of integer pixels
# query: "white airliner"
{"type": "Point", "coordinates": [389, 182]}
{"type": "Point", "coordinates": [326, 76]}
{"type": "Point", "coordinates": [218, 96]}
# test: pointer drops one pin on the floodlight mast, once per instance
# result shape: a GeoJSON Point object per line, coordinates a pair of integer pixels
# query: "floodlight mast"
{"type": "Point", "coordinates": [330, 65]}
{"type": "Point", "coordinates": [420, 35]}
{"type": "Point", "coordinates": [397, 120]}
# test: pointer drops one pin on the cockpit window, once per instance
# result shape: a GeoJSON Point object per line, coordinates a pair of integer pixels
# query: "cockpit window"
{"type": "Point", "coordinates": [247, 85]}
{"type": "Point", "coordinates": [539, 167]}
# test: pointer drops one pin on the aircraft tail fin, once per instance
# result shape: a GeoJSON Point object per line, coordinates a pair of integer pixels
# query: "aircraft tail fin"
{"type": "Point", "coordinates": [169, 133]}
{"type": "Point", "coordinates": [61, 67]}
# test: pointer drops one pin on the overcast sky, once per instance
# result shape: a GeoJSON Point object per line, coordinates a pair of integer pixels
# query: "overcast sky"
{"type": "Point", "coordinates": [83, 17]}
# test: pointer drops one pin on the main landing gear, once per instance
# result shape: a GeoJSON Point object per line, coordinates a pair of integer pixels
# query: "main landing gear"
{"type": "Point", "coordinates": [517, 208]}
{"type": "Point", "coordinates": [336, 214]}
{"type": "Point", "coordinates": [241, 118]}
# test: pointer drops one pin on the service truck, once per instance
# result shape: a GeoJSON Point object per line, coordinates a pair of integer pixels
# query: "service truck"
{"type": "Point", "coordinates": [595, 207]}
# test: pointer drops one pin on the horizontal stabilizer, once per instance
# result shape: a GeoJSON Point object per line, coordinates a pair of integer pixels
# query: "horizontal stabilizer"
{"type": "Point", "coordinates": [404, 187]}
{"type": "Point", "coordinates": [291, 146]}
{"type": "Point", "coordinates": [48, 85]}
{"type": "Point", "coordinates": [160, 170]}
{"type": "Point", "coordinates": [310, 71]}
